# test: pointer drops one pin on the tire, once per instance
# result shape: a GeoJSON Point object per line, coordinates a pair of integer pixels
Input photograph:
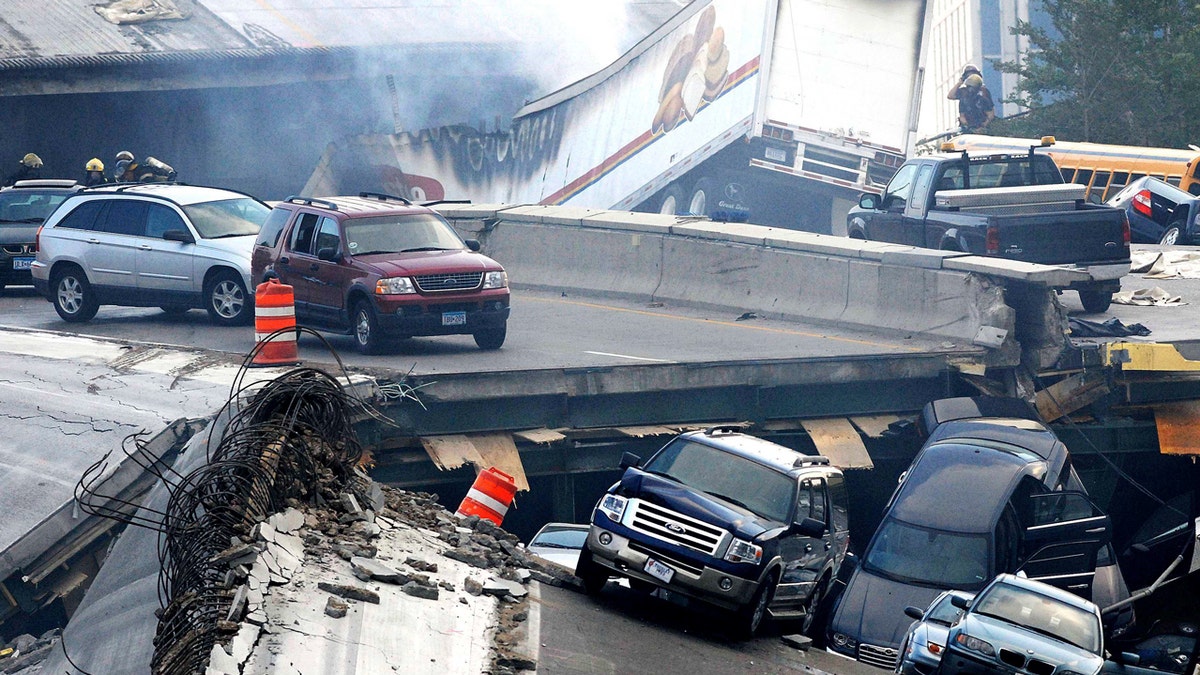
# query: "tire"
{"type": "Point", "coordinates": [593, 576]}
{"type": "Point", "coordinates": [491, 338]}
{"type": "Point", "coordinates": [74, 299]}
{"type": "Point", "coordinates": [1172, 234]}
{"type": "Point", "coordinates": [748, 619]}
{"type": "Point", "coordinates": [701, 202]}
{"type": "Point", "coordinates": [671, 203]}
{"type": "Point", "coordinates": [1095, 302]}
{"type": "Point", "coordinates": [813, 623]}
{"type": "Point", "coordinates": [367, 337]}
{"type": "Point", "coordinates": [226, 300]}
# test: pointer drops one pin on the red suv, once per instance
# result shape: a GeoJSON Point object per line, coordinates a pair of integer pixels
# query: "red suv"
{"type": "Point", "coordinates": [377, 266]}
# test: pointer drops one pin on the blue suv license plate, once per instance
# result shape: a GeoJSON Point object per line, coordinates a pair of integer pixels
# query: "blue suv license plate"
{"type": "Point", "coordinates": [22, 263]}
{"type": "Point", "coordinates": [454, 318]}
{"type": "Point", "coordinates": [659, 571]}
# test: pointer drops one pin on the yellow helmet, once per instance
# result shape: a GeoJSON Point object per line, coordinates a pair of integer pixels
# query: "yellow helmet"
{"type": "Point", "coordinates": [94, 164]}
{"type": "Point", "coordinates": [32, 161]}
{"type": "Point", "coordinates": [974, 81]}
{"type": "Point", "coordinates": [125, 154]}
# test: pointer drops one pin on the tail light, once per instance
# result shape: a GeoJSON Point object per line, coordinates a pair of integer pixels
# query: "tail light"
{"type": "Point", "coordinates": [993, 240]}
{"type": "Point", "coordinates": [37, 239]}
{"type": "Point", "coordinates": [1125, 234]}
{"type": "Point", "coordinates": [1143, 204]}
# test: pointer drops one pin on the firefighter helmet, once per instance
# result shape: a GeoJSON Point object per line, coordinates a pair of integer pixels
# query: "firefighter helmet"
{"type": "Point", "coordinates": [94, 164]}
{"type": "Point", "coordinates": [974, 81]}
{"type": "Point", "coordinates": [32, 161]}
{"type": "Point", "coordinates": [125, 154]}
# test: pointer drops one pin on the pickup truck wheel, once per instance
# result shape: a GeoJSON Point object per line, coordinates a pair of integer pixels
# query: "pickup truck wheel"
{"type": "Point", "coordinates": [74, 299]}
{"type": "Point", "coordinates": [226, 300]}
{"type": "Point", "coordinates": [1171, 236]}
{"type": "Point", "coordinates": [1095, 302]}
{"type": "Point", "coordinates": [491, 338]}
{"type": "Point", "coordinates": [749, 619]}
{"type": "Point", "coordinates": [366, 328]}
{"type": "Point", "coordinates": [593, 576]}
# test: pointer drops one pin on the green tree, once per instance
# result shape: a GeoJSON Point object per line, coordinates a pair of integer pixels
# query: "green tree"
{"type": "Point", "coordinates": [1112, 71]}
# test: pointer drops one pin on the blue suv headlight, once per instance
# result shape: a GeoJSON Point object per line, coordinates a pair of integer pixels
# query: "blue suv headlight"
{"type": "Point", "coordinates": [743, 552]}
{"type": "Point", "coordinates": [613, 506]}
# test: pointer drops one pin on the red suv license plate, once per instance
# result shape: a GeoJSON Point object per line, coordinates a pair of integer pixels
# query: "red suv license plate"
{"type": "Point", "coordinates": [454, 318]}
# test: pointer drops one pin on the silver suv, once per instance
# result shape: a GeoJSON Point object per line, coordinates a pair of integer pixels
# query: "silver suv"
{"type": "Point", "coordinates": [160, 245]}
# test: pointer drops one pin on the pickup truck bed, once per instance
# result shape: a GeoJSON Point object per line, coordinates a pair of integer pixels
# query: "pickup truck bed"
{"type": "Point", "coordinates": [1004, 206]}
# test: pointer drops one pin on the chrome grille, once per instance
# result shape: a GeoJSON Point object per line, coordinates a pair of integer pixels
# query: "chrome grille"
{"type": "Point", "coordinates": [19, 249]}
{"type": "Point", "coordinates": [463, 281]}
{"type": "Point", "coordinates": [676, 528]}
{"type": "Point", "coordinates": [880, 657]}
{"type": "Point", "coordinates": [694, 570]}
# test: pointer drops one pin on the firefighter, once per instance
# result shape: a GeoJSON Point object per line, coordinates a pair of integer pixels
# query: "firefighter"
{"type": "Point", "coordinates": [126, 168]}
{"type": "Point", "coordinates": [93, 172]}
{"type": "Point", "coordinates": [31, 168]}
{"type": "Point", "coordinates": [975, 105]}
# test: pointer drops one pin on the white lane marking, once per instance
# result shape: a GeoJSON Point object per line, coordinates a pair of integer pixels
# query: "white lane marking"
{"type": "Point", "coordinates": [625, 356]}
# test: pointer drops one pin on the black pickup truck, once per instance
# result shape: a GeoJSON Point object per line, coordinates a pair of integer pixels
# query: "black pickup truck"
{"type": "Point", "coordinates": [1014, 207]}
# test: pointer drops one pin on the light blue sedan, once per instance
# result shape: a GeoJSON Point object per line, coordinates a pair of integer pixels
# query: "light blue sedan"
{"type": "Point", "coordinates": [923, 645]}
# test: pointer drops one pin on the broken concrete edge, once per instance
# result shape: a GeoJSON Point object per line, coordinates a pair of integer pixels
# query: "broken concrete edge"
{"type": "Point", "coordinates": [57, 537]}
{"type": "Point", "coordinates": [511, 574]}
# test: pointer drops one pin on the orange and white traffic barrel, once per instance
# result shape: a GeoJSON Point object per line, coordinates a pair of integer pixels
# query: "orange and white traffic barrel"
{"type": "Point", "coordinates": [275, 324]}
{"type": "Point", "coordinates": [490, 496]}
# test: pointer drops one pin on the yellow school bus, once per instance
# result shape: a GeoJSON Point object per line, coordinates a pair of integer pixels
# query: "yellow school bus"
{"type": "Point", "coordinates": [1104, 169]}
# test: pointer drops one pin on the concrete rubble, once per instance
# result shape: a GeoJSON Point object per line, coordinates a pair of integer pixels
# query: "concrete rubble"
{"type": "Point", "coordinates": [308, 565]}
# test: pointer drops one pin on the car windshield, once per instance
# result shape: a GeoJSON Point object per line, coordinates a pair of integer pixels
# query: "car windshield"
{"type": "Point", "coordinates": [922, 555]}
{"type": "Point", "coordinates": [944, 612]}
{"type": "Point", "coordinates": [22, 207]}
{"type": "Point", "coordinates": [1041, 614]}
{"type": "Point", "coordinates": [560, 539]}
{"type": "Point", "coordinates": [227, 217]}
{"type": "Point", "coordinates": [400, 234]}
{"type": "Point", "coordinates": [735, 479]}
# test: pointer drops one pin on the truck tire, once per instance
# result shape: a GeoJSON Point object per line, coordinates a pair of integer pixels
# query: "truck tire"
{"type": "Point", "coordinates": [747, 620]}
{"type": "Point", "coordinates": [593, 576]}
{"type": "Point", "coordinates": [1095, 302]}
{"type": "Point", "coordinates": [367, 336]}
{"type": "Point", "coordinates": [702, 200]}
{"type": "Point", "coordinates": [491, 338]}
{"type": "Point", "coordinates": [1171, 236]}
{"type": "Point", "coordinates": [671, 202]}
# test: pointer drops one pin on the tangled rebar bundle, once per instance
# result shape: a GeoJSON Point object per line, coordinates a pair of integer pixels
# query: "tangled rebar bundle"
{"type": "Point", "coordinates": [287, 438]}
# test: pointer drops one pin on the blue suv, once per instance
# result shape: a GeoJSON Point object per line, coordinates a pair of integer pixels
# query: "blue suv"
{"type": "Point", "coordinates": [728, 519]}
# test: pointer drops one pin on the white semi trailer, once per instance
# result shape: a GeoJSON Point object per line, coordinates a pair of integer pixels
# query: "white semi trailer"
{"type": "Point", "coordinates": [777, 112]}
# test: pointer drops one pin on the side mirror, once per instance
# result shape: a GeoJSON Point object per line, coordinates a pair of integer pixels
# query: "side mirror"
{"type": "Point", "coordinates": [960, 602]}
{"type": "Point", "coordinates": [914, 613]}
{"type": "Point", "coordinates": [1128, 658]}
{"type": "Point", "coordinates": [329, 255]}
{"type": "Point", "coordinates": [474, 245]}
{"type": "Point", "coordinates": [182, 236]}
{"type": "Point", "coordinates": [628, 459]}
{"type": "Point", "coordinates": [869, 201]}
{"type": "Point", "coordinates": [809, 527]}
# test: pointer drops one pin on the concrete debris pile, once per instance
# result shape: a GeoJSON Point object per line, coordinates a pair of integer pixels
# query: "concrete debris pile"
{"type": "Point", "coordinates": [25, 651]}
{"type": "Point", "coordinates": [311, 569]}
